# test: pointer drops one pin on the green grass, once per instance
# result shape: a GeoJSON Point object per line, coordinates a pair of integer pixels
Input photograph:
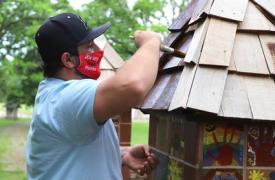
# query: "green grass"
{"type": "Point", "coordinates": [10, 122]}
{"type": "Point", "coordinates": [12, 175]}
{"type": "Point", "coordinates": [140, 131]}
{"type": "Point", "coordinates": [5, 146]}
{"type": "Point", "coordinates": [12, 141]}
{"type": "Point", "coordinates": [5, 150]}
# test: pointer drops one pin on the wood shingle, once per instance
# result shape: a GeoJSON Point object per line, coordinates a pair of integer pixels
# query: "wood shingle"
{"type": "Point", "coordinates": [220, 38]}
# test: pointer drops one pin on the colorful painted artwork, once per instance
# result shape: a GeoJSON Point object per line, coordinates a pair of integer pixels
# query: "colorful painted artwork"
{"type": "Point", "coordinates": [261, 145]}
{"type": "Point", "coordinates": [223, 175]}
{"type": "Point", "coordinates": [175, 170]}
{"type": "Point", "coordinates": [222, 145]}
{"type": "Point", "coordinates": [176, 147]}
{"type": "Point", "coordinates": [260, 175]}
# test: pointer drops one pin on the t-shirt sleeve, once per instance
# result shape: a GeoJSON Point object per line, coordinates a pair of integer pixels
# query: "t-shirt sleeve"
{"type": "Point", "coordinates": [74, 111]}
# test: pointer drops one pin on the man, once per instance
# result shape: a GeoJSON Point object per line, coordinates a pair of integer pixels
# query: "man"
{"type": "Point", "coordinates": [71, 136]}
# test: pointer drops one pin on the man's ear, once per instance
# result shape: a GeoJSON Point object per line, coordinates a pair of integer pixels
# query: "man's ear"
{"type": "Point", "coordinates": [68, 61]}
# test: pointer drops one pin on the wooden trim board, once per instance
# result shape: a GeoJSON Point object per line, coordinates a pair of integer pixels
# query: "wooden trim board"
{"type": "Point", "coordinates": [235, 102]}
{"type": "Point", "coordinates": [203, 7]}
{"type": "Point", "coordinates": [207, 89]}
{"type": "Point", "coordinates": [112, 56]}
{"type": "Point", "coordinates": [261, 94]}
{"type": "Point", "coordinates": [248, 54]}
{"type": "Point", "coordinates": [194, 51]}
{"type": "Point", "coordinates": [229, 9]}
{"type": "Point", "coordinates": [268, 5]}
{"type": "Point", "coordinates": [268, 45]}
{"type": "Point", "coordinates": [219, 41]}
{"type": "Point", "coordinates": [255, 20]}
{"type": "Point", "coordinates": [184, 86]}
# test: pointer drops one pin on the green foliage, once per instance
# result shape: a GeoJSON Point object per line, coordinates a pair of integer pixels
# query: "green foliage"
{"type": "Point", "coordinates": [12, 175]}
{"type": "Point", "coordinates": [118, 14]}
{"type": "Point", "coordinates": [125, 20]}
{"type": "Point", "coordinates": [19, 20]}
{"type": "Point", "coordinates": [9, 122]}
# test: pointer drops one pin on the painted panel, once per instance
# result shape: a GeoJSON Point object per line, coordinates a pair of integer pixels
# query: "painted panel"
{"type": "Point", "coordinates": [222, 145]}
{"type": "Point", "coordinates": [161, 171]}
{"type": "Point", "coordinates": [163, 132]}
{"type": "Point", "coordinates": [190, 141]}
{"type": "Point", "coordinates": [176, 147]}
{"type": "Point", "coordinates": [189, 173]}
{"type": "Point", "coordinates": [153, 124]}
{"type": "Point", "coordinates": [261, 145]}
{"type": "Point", "coordinates": [228, 174]}
{"type": "Point", "coordinates": [260, 174]}
{"type": "Point", "coordinates": [175, 170]}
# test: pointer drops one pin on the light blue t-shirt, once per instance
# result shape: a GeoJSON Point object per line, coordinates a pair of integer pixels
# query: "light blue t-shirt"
{"type": "Point", "coordinates": [64, 140]}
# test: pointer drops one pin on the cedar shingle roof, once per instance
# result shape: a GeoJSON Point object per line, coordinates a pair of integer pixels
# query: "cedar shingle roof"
{"type": "Point", "coordinates": [229, 66]}
{"type": "Point", "coordinates": [111, 60]}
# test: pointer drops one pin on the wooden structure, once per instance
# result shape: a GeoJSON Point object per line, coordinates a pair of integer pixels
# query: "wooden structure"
{"type": "Point", "coordinates": [110, 63]}
{"type": "Point", "coordinates": [212, 114]}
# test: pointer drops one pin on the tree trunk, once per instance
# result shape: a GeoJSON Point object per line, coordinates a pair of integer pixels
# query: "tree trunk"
{"type": "Point", "coordinates": [11, 111]}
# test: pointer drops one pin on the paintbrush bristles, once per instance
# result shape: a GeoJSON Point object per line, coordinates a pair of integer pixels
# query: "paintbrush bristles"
{"type": "Point", "coordinates": [179, 54]}
{"type": "Point", "coordinates": [172, 51]}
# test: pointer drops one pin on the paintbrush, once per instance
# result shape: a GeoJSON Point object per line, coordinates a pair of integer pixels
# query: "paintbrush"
{"type": "Point", "coordinates": [168, 50]}
{"type": "Point", "coordinates": [172, 51]}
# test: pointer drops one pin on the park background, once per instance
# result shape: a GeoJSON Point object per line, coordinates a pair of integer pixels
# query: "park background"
{"type": "Point", "coordinates": [20, 70]}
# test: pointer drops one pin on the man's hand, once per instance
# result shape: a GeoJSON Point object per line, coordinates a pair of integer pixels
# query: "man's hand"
{"type": "Point", "coordinates": [140, 159]}
{"type": "Point", "coordinates": [141, 37]}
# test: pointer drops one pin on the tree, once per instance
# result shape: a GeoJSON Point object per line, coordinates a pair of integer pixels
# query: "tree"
{"type": "Point", "coordinates": [19, 20]}
{"type": "Point", "coordinates": [19, 68]}
{"type": "Point", "coordinates": [144, 14]}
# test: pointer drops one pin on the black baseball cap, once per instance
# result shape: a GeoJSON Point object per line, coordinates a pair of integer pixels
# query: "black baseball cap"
{"type": "Point", "coordinates": [64, 32]}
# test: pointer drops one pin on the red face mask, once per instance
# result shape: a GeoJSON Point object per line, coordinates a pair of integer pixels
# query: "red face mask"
{"type": "Point", "coordinates": [90, 64]}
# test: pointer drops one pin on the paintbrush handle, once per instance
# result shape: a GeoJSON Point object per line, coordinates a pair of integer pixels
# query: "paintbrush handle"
{"type": "Point", "coordinates": [167, 49]}
{"type": "Point", "coordinates": [172, 51]}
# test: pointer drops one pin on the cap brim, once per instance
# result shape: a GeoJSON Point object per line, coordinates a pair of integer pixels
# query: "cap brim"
{"type": "Point", "coordinates": [95, 32]}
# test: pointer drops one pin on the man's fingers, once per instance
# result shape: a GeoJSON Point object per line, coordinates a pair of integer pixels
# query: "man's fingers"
{"type": "Point", "coordinates": [147, 151]}
{"type": "Point", "coordinates": [152, 162]}
{"type": "Point", "coordinates": [140, 171]}
{"type": "Point", "coordinates": [154, 158]}
{"type": "Point", "coordinates": [147, 167]}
